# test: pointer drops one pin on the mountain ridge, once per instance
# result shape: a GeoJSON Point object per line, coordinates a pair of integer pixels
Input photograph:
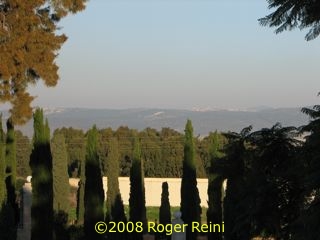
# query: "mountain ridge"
{"type": "Point", "coordinates": [141, 118]}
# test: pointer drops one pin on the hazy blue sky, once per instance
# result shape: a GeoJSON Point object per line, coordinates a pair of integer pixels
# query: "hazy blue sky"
{"type": "Point", "coordinates": [181, 54]}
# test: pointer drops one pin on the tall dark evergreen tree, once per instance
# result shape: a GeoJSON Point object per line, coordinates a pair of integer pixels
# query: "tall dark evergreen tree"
{"type": "Point", "coordinates": [190, 200]}
{"type": "Point", "coordinates": [77, 154]}
{"type": "Point", "coordinates": [137, 202]}
{"type": "Point", "coordinates": [11, 160]}
{"type": "Point", "coordinates": [216, 178]}
{"type": "Point", "coordinates": [104, 136]}
{"type": "Point", "coordinates": [164, 211]}
{"type": "Point", "coordinates": [115, 207]}
{"type": "Point", "coordinates": [3, 190]}
{"type": "Point", "coordinates": [113, 213]}
{"type": "Point", "coordinates": [8, 227]}
{"type": "Point", "coordinates": [80, 195]}
{"type": "Point", "coordinates": [237, 223]}
{"type": "Point", "coordinates": [42, 181]}
{"type": "Point", "coordinates": [11, 176]}
{"type": "Point", "coordinates": [61, 187]}
{"type": "Point", "coordinates": [4, 207]}
{"type": "Point", "coordinates": [93, 194]}
{"type": "Point", "coordinates": [262, 195]}
{"type": "Point", "coordinates": [306, 225]}
{"type": "Point", "coordinates": [276, 169]}
{"type": "Point", "coordinates": [81, 185]}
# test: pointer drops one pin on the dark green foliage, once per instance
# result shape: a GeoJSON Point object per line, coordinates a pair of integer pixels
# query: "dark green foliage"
{"type": "Point", "coordinates": [190, 200]}
{"type": "Point", "coordinates": [11, 175]}
{"type": "Point", "coordinates": [76, 148]}
{"type": "Point", "coordinates": [112, 174]}
{"type": "Point", "coordinates": [161, 151]}
{"type": "Point", "coordinates": [306, 225]}
{"type": "Point", "coordinates": [125, 135]}
{"type": "Point", "coordinates": [151, 153]}
{"type": "Point", "coordinates": [276, 170]}
{"type": "Point", "coordinates": [60, 225]}
{"type": "Point", "coordinates": [93, 194]}
{"type": "Point", "coordinates": [61, 187]}
{"type": "Point", "coordinates": [263, 189]}
{"type": "Point", "coordinates": [115, 207]}
{"type": "Point", "coordinates": [164, 211]}
{"type": "Point", "coordinates": [236, 226]}
{"type": "Point", "coordinates": [215, 181]}
{"type": "Point", "coordinates": [113, 193]}
{"type": "Point", "coordinates": [23, 151]}
{"type": "Point", "coordinates": [7, 214]}
{"type": "Point", "coordinates": [11, 169]}
{"type": "Point", "coordinates": [294, 14]}
{"type": "Point", "coordinates": [171, 152]}
{"type": "Point", "coordinates": [42, 181]}
{"type": "Point", "coordinates": [3, 190]}
{"type": "Point", "coordinates": [104, 137]}
{"type": "Point", "coordinates": [8, 230]}
{"type": "Point", "coordinates": [80, 192]}
{"type": "Point", "coordinates": [137, 202]}
{"type": "Point", "coordinates": [76, 232]}
{"type": "Point", "coordinates": [80, 198]}
{"type": "Point", "coordinates": [200, 169]}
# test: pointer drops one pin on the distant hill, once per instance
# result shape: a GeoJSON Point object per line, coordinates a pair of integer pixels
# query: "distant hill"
{"type": "Point", "coordinates": [203, 121]}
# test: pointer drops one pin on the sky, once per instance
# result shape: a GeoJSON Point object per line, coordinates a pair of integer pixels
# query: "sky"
{"type": "Point", "coordinates": [180, 54]}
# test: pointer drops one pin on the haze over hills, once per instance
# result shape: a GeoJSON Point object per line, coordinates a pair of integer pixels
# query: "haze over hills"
{"type": "Point", "coordinates": [204, 120]}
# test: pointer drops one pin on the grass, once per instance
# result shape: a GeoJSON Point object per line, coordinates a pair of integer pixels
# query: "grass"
{"type": "Point", "coordinates": [152, 213]}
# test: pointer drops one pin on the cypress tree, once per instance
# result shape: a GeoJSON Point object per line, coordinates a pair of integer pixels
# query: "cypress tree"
{"type": "Point", "coordinates": [115, 208]}
{"type": "Point", "coordinates": [3, 190]}
{"type": "Point", "coordinates": [11, 169]}
{"type": "Point", "coordinates": [12, 209]}
{"type": "Point", "coordinates": [11, 158]}
{"type": "Point", "coordinates": [190, 200]}
{"type": "Point", "coordinates": [80, 153]}
{"type": "Point", "coordinates": [164, 211]}
{"type": "Point", "coordinates": [7, 215]}
{"type": "Point", "coordinates": [137, 202]}
{"type": "Point", "coordinates": [216, 178]}
{"type": "Point", "coordinates": [61, 187]}
{"type": "Point", "coordinates": [80, 194]}
{"type": "Point", "coordinates": [42, 183]}
{"type": "Point", "coordinates": [8, 230]}
{"type": "Point", "coordinates": [237, 202]}
{"type": "Point", "coordinates": [93, 194]}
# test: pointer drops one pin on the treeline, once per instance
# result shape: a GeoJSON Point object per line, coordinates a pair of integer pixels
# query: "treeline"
{"type": "Point", "coordinates": [161, 151]}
